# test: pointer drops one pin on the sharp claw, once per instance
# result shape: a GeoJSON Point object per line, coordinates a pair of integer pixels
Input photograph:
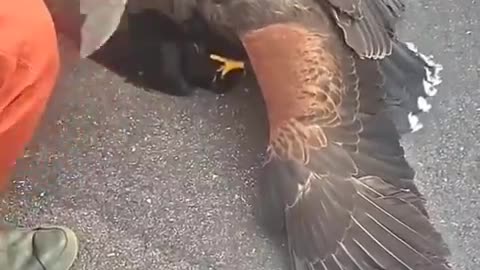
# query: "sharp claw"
{"type": "Point", "coordinates": [228, 65]}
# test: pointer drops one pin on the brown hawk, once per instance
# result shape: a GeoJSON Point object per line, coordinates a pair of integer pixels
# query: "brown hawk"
{"type": "Point", "coordinates": [340, 88]}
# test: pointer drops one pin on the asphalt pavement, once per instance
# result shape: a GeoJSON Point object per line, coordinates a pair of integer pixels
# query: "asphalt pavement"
{"type": "Point", "coordinates": [150, 181]}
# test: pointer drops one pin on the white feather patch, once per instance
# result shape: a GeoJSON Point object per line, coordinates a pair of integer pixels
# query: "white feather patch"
{"type": "Point", "coordinates": [423, 104]}
{"type": "Point", "coordinates": [415, 124]}
{"type": "Point", "coordinates": [432, 71]}
{"type": "Point", "coordinates": [411, 47]}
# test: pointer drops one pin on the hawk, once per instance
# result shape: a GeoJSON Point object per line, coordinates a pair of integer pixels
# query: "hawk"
{"type": "Point", "coordinates": [340, 89]}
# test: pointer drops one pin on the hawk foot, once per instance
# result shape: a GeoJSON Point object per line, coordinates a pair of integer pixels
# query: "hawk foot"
{"type": "Point", "coordinates": [228, 65]}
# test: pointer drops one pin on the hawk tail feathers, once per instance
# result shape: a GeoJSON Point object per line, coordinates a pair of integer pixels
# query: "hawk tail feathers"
{"type": "Point", "coordinates": [410, 79]}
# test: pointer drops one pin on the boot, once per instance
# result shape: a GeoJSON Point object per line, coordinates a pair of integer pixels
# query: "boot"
{"type": "Point", "coordinates": [42, 248]}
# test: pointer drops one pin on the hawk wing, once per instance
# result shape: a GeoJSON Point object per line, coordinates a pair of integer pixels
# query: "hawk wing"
{"type": "Point", "coordinates": [337, 177]}
{"type": "Point", "coordinates": [368, 25]}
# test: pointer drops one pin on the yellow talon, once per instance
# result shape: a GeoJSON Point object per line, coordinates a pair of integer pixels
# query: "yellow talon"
{"type": "Point", "coordinates": [228, 64]}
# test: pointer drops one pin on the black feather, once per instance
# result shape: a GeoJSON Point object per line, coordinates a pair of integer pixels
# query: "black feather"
{"type": "Point", "coordinates": [158, 54]}
{"type": "Point", "coordinates": [410, 79]}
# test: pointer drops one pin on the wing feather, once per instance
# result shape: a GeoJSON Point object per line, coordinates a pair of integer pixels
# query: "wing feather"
{"type": "Point", "coordinates": [349, 202]}
{"type": "Point", "coordinates": [368, 25]}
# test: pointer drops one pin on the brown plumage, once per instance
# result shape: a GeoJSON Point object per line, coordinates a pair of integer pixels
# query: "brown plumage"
{"type": "Point", "coordinates": [305, 91]}
{"type": "Point", "coordinates": [345, 202]}
{"type": "Point", "coordinates": [340, 89]}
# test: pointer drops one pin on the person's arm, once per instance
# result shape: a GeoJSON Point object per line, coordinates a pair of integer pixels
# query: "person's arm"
{"type": "Point", "coordinates": [29, 65]}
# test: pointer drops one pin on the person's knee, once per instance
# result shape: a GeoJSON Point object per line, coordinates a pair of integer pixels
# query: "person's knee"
{"type": "Point", "coordinates": [29, 66]}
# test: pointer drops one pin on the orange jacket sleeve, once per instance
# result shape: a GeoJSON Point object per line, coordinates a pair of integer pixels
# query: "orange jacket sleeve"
{"type": "Point", "coordinates": [29, 65]}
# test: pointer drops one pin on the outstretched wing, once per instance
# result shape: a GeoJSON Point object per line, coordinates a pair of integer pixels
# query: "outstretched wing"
{"type": "Point", "coordinates": [337, 174]}
{"type": "Point", "coordinates": [368, 25]}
